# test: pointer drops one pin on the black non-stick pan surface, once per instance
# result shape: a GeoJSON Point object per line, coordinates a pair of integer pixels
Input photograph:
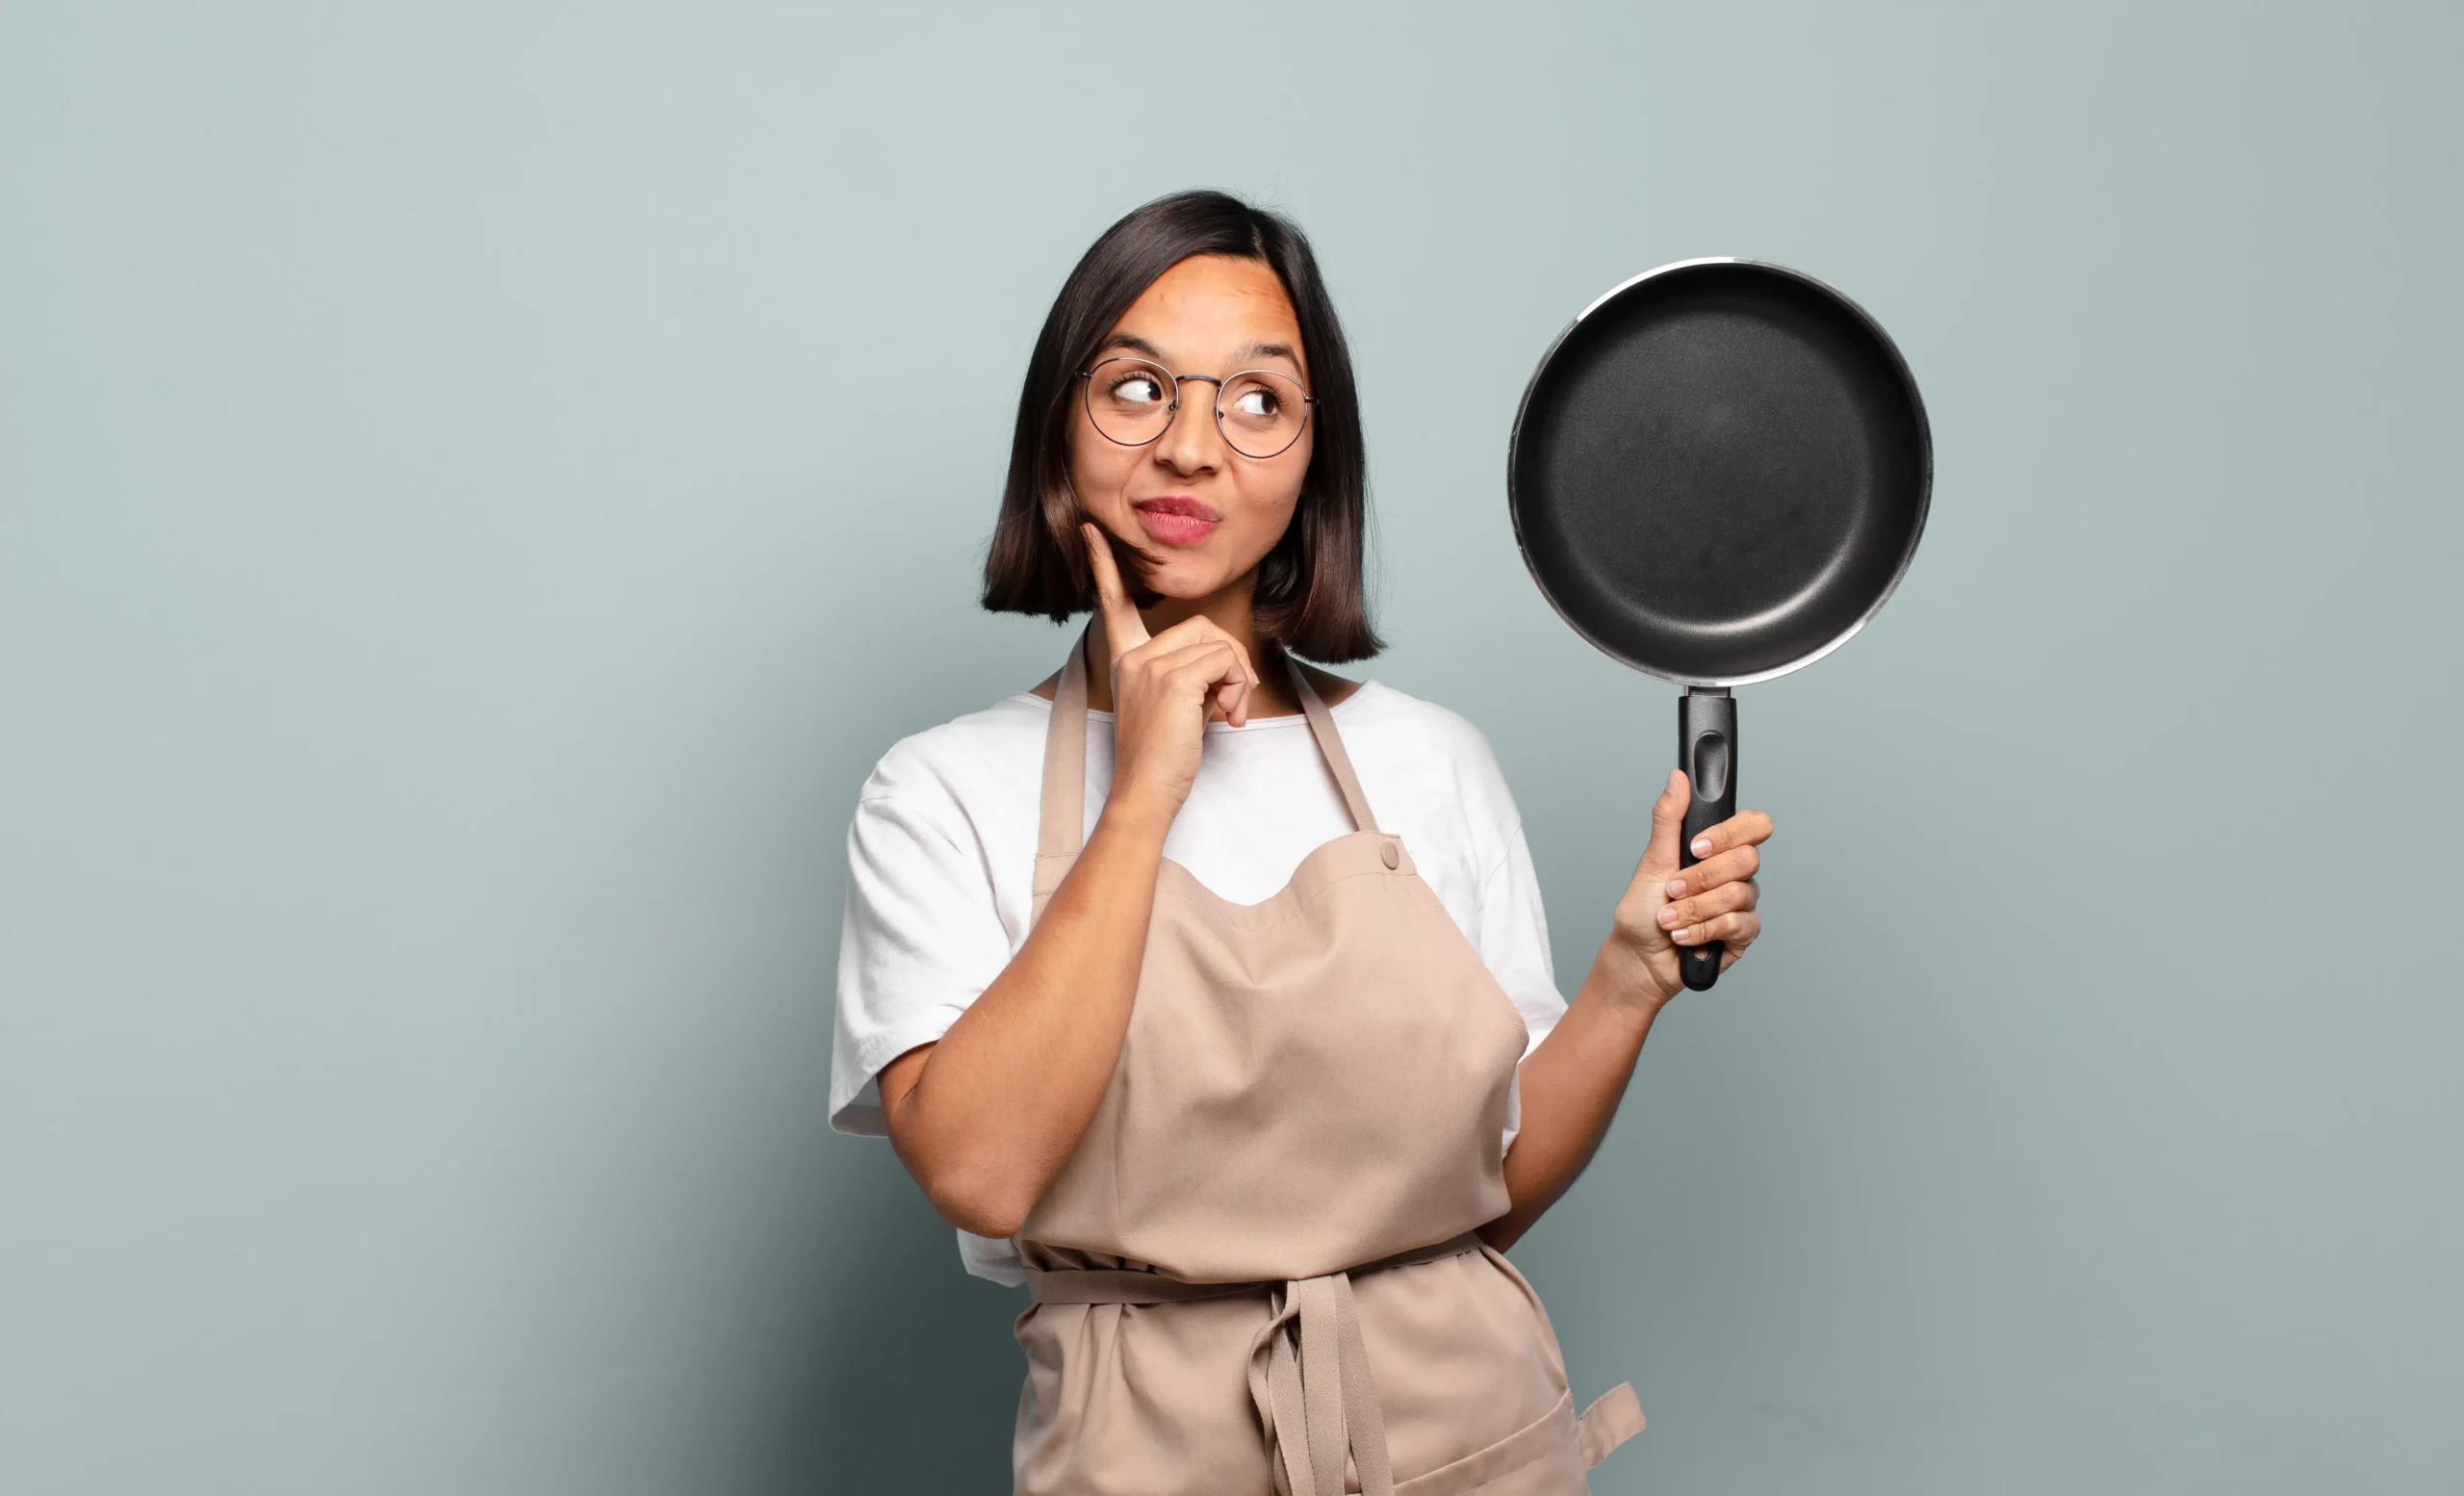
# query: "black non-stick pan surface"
{"type": "Point", "coordinates": [1718, 474]}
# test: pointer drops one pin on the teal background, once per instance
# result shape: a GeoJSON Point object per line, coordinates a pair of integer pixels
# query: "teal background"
{"type": "Point", "coordinates": [480, 486]}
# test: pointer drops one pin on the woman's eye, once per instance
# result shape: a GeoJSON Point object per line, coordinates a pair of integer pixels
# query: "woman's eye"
{"type": "Point", "coordinates": [1137, 390]}
{"type": "Point", "coordinates": [1255, 402]}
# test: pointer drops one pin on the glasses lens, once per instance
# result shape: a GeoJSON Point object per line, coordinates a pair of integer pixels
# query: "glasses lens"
{"type": "Point", "coordinates": [1263, 412]}
{"type": "Point", "coordinates": [1129, 400]}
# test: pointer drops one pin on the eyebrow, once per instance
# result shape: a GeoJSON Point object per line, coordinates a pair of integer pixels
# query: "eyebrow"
{"type": "Point", "coordinates": [1282, 350]}
{"type": "Point", "coordinates": [1135, 344]}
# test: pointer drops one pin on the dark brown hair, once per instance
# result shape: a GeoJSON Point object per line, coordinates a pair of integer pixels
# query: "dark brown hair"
{"type": "Point", "coordinates": [1311, 596]}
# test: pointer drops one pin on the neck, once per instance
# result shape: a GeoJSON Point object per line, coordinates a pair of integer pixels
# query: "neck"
{"type": "Point", "coordinates": [1229, 609]}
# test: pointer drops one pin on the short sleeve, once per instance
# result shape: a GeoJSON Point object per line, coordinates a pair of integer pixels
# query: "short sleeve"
{"type": "Point", "coordinates": [1514, 938]}
{"type": "Point", "coordinates": [920, 939]}
{"type": "Point", "coordinates": [1514, 944]}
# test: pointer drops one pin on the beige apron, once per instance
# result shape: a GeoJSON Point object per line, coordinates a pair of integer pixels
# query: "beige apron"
{"type": "Point", "coordinates": [1256, 1270]}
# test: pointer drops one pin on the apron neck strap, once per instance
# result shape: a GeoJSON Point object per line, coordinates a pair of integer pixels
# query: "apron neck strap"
{"type": "Point", "coordinates": [1060, 830]}
{"type": "Point", "coordinates": [1322, 722]}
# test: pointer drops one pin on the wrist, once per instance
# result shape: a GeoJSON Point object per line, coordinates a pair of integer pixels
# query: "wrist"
{"type": "Point", "coordinates": [1627, 980]}
{"type": "Point", "coordinates": [1140, 818]}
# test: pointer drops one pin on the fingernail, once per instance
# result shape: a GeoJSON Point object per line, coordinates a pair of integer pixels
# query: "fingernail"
{"type": "Point", "coordinates": [1682, 936]}
{"type": "Point", "coordinates": [1702, 846]}
{"type": "Point", "coordinates": [1667, 918]}
{"type": "Point", "coordinates": [1676, 888]}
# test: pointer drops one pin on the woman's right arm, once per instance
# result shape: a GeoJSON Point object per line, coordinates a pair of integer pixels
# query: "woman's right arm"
{"type": "Point", "coordinates": [986, 1117]}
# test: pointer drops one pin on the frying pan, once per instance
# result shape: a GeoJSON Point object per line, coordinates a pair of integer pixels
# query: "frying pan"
{"type": "Point", "coordinates": [1719, 472]}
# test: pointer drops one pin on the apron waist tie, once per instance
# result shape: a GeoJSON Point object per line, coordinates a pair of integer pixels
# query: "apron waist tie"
{"type": "Point", "coordinates": [1308, 1365]}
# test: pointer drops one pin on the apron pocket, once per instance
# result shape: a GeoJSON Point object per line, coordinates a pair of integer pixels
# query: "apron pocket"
{"type": "Point", "coordinates": [1540, 1459]}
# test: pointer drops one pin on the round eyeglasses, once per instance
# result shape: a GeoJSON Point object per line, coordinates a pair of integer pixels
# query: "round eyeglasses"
{"type": "Point", "coordinates": [1260, 412]}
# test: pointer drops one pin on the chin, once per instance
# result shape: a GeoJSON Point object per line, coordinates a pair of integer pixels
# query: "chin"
{"type": "Point", "coordinates": [1181, 575]}
{"type": "Point", "coordinates": [1181, 585]}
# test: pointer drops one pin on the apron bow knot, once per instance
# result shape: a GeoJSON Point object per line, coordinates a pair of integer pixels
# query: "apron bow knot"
{"type": "Point", "coordinates": [1309, 1378]}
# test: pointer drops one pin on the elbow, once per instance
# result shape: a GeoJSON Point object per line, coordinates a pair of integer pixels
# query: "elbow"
{"type": "Point", "coordinates": [975, 1201]}
{"type": "Point", "coordinates": [975, 1187]}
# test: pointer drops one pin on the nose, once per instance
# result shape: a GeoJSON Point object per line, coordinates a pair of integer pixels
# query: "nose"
{"type": "Point", "coordinates": [1194, 442]}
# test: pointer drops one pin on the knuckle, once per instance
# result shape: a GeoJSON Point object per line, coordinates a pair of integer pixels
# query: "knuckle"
{"type": "Point", "coordinates": [1749, 862]}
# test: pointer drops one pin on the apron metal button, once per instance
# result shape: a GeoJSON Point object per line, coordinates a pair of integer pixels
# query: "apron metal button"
{"type": "Point", "coordinates": [1389, 856]}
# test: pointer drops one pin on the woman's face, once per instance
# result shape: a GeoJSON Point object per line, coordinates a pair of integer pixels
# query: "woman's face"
{"type": "Point", "coordinates": [1208, 512]}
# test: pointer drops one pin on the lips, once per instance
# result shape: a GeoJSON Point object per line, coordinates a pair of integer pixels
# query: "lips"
{"type": "Point", "coordinates": [1177, 520]}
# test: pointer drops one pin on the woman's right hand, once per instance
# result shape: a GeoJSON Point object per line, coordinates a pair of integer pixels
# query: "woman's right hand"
{"type": "Point", "coordinates": [1165, 689]}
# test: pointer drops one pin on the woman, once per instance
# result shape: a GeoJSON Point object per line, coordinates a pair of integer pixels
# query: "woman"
{"type": "Point", "coordinates": [1207, 992]}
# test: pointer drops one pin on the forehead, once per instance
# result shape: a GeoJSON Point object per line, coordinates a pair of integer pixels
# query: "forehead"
{"type": "Point", "coordinates": [1210, 307]}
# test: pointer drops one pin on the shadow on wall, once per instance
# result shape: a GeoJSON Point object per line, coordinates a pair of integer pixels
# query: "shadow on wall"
{"type": "Point", "coordinates": [912, 1378]}
{"type": "Point", "coordinates": [900, 1372]}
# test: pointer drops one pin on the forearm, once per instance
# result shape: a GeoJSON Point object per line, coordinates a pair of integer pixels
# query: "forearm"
{"type": "Point", "coordinates": [997, 1105]}
{"type": "Point", "coordinates": [1571, 1086]}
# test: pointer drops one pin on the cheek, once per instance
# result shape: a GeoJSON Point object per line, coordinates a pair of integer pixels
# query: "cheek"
{"type": "Point", "coordinates": [1275, 488]}
{"type": "Point", "coordinates": [1097, 467]}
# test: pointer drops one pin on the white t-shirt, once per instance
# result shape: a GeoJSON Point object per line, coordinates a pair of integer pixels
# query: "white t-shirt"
{"type": "Point", "coordinates": [942, 859]}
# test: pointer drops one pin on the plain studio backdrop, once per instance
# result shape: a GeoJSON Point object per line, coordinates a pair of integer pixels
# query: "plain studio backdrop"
{"type": "Point", "coordinates": [483, 485]}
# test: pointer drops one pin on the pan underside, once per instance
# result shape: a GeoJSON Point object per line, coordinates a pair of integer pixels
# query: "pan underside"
{"type": "Point", "coordinates": [1720, 473]}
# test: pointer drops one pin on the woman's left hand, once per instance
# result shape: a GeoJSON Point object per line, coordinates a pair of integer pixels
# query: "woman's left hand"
{"type": "Point", "coordinates": [1572, 1082]}
{"type": "Point", "coordinates": [1666, 910]}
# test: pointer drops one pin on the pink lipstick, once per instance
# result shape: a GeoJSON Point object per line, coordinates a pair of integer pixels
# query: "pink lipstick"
{"type": "Point", "coordinates": [1178, 520]}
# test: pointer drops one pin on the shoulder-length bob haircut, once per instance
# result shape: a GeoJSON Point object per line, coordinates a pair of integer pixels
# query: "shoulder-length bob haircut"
{"type": "Point", "coordinates": [1310, 595]}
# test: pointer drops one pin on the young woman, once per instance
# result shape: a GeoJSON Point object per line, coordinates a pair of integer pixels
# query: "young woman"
{"type": "Point", "coordinates": [1208, 993]}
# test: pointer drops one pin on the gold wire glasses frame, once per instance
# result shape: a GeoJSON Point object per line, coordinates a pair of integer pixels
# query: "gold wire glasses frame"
{"type": "Point", "coordinates": [1268, 410]}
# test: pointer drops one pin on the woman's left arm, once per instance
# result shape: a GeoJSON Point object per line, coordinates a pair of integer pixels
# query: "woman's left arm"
{"type": "Point", "coordinates": [1571, 1084]}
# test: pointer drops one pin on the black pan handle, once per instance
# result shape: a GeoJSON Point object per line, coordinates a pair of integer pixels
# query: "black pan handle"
{"type": "Point", "coordinates": [1707, 751]}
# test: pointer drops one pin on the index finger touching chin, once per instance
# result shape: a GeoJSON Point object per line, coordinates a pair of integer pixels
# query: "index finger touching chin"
{"type": "Point", "coordinates": [1123, 629]}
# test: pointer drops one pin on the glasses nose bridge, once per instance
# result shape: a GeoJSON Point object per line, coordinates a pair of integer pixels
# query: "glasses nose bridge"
{"type": "Point", "coordinates": [1180, 379]}
{"type": "Point", "coordinates": [1214, 406]}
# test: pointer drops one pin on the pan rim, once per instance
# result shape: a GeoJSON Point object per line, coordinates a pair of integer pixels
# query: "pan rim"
{"type": "Point", "coordinates": [1924, 447]}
